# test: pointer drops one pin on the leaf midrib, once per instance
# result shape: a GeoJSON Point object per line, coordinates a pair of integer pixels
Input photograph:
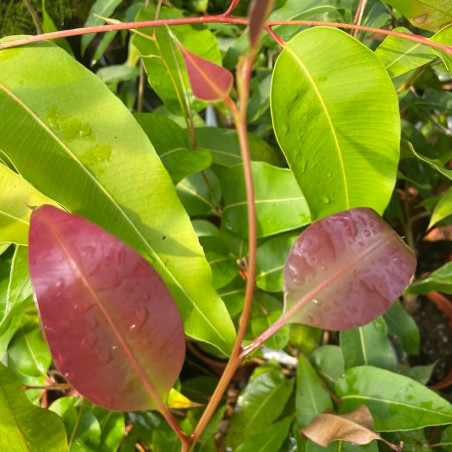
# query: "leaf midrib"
{"type": "Point", "coordinates": [328, 117]}
{"type": "Point", "coordinates": [115, 204]}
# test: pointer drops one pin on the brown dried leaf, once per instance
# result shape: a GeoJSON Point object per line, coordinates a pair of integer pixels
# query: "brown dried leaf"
{"type": "Point", "coordinates": [355, 427]}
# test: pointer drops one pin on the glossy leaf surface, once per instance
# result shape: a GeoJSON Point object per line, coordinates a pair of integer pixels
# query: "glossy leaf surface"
{"type": "Point", "coordinates": [440, 280]}
{"type": "Point", "coordinates": [18, 297]}
{"type": "Point", "coordinates": [402, 325]}
{"type": "Point", "coordinates": [401, 55]}
{"type": "Point", "coordinates": [208, 81]}
{"type": "Point", "coordinates": [280, 205]}
{"type": "Point", "coordinates": [368, 345]}
{"type": "Point", "coordinates": [259, 405]}
{"type": "Point", "coordinates": [355, 427]}
{"type": "Point", "coordinates": [395, 401]}
{"type": "Point", "coordinates": [311, 398]}
{"type": "Point", "coordinates": [111, 173]}
{"type": "Point", "coordinates": [345, 270]}
{"type": "Point", "coordinates": [426, 14]}
{"type": "Point", "coordinates": [23, 425]}
{"type": "Point", "coordinates": [17, 197]}
{"type": "Point", "coordinates": [341, 102]}
{"type": "Point", "coordinates": [105, 313]}
{"type": "Point", "coordinates": [328, 360]}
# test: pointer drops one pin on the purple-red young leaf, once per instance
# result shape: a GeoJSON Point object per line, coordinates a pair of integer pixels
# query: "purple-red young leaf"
{"type": "Point", "coordinates": [112, 326]}
{"type": "Point", "coordinates": [345, 270]}
{"type": "Point", "coordinates": [208, 81]}
{"type": "Point", "coordinates": [259, 11]}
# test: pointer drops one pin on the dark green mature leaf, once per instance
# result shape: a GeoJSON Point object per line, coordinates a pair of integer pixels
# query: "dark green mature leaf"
{"type": "Point", "coordinates": [328, 360]}
{"type": "Point", "coordinates": [259, 405]}
{"type": "Point", "coordinates": [28, 352]}
{"type": "Point", "coordinates": [426, 14]}
{"type": "Point", "coordinates": [269, 440]}
{"type": "Point", "coordinates": [162, 60]}
{"type": "Point", "coordinates": [24, 427]}
{"type": "Point", "coordinates": [440, 280]}
{"type": "Point", "coordinates": [17, 198]}
{"type": "Point", "coordinates": [431, 99]}
{"type": "Point", "coordinates": [446, 439]}
{"type": "Point", "coordinates": [111, 173]}
{"type": "Point", "coordinates": [368, 345]}
{"type": "Point", "coordinates": [102, 8]}
{"type": "Point", "coordinates": [407, 151]}
{"type": "Point", "coordinates": [112, 425]}
{"type": "Point", "coordinates": [310, 398]}
{"type": "Point", "coordinates": [395, 401]}
{"type": "Point", "coordinates": [332, 102]}
{"type": "Point", "coordinates": [402, 325]}
{"type": "Point", "coordinates": [225, 149]}
{"type": "Point", "coordinates": [280, 205]}
{"type": "Point", "coordinates": [271, 257]}
{"type": "Point", "coordinates": [340, 446]}
{"type": "Point", "coordinates": [82, 427]}
{"type": "Point", "coordinates": [17, 298]}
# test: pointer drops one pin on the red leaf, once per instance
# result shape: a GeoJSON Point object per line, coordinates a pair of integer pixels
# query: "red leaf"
{"type": "Point", "coordinates": [111, 324]}
{"type": "Point", "coordinates": [259, 11]}
{"type": "Point", "coordinates": [345, 270]}
{"type": "Point", "coordinates": [208, 81]}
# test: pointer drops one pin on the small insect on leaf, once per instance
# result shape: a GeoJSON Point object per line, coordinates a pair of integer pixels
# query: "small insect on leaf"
{"type": "Point", "coordinates": [345, 270]}
{"type": "Point", "coordinates": [112, 326]}
{"type": "Point", "coordinates": [208, 81]}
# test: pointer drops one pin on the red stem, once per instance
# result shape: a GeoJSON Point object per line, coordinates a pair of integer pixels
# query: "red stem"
{"type": "Point", "coordinates": [231, 8]}
{"type": "Point", "coordinates": [214, 19]}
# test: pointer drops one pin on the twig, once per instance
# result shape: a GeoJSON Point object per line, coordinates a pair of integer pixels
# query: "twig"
{"type": "Point", "coordinates": [210, 20]}
{"type": "Point", "coordinates": [359, 15]}
{"type": "Point", "coordinates": [231, 8]}
{"type": "Point", "coordinates": [34, 16]}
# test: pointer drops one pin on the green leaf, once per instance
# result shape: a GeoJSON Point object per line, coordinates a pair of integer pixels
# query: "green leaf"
{"type": "Point", "coordinates": [422, 374]}
{"type": "Point", "coordinates": [444, 37]}
{"type": "Point", "coordinates": [368, 345]}
{"type": "Point", "coordinates": [440, 280]}
{"type": "Point", "coordinates": [407, 151]}
{"type": "Point", "coordinates": [24, 427]}
{"type": "Point", "coordinates": [402, 325]}
{"type": "Point", "coordinates": [426, 14]}
{"type": "Point", "coordinates": [328, 360]}
{"type": "Point", "coordinates": [103, 8]}
{"type": "Point", "coordinates": [336, 118]}
{"type": "Point", "coordinates": [28, 352]}
{"type": "Point", "coordinates": [269, 440]}
{"type": "Point", "coordinates": [110, 171]}
{"type": "Point", "coordinates": [82, 427]}
{"type": "Point", "coordinates": [395, 401]}
{"type": "Point", "coordinates": [197, 193]}
{"type": "Point", "coordinates": [17, 198]}
{"type": "Point", "coordinates": [310, 398]}
{"type": "Point", "coordinates": [280, 205]}
{"type": "Point", "coordinates": [431, 99]}
{"type": "Point", "coordinates": [400, 55]}
{"type": "Point", "coordinates": [446, 439]}
{"type": "Point", "coordinates": [265, 311]}
{"type": "Point", "coordinates": [17, 298]}
{"type": "Point", "coordinates": [225, 149]}
{"type": "Point", "coordinates": [117, 73]}
{"type": "Point", "coordinates": [223, 264]}
{"type": "Point", "coordinates": [112, 425]}
{"type": "Point", "coordinates": [341, 446]}
{"type": "Point", "coordinates": [259, 405]}
{"type": "Point", "coordinates": [162, 60]}
{"type": "Point", "coordinates": [271, 257]}
{"type": "Point", "coordinates": [443, 209]}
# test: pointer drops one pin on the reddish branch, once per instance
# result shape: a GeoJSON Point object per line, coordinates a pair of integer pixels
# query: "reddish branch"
{"type": "Point", "coordinates": [214, 19]}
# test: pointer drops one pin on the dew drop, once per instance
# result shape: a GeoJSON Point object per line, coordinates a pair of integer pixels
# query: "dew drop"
{"type": "Point", "coordinates": [229, 226]}
{"type": "Point", "coordinates": [326, 200]}
{"type": "Point", "coordinates": [114, 347]}
{"type": "Point", "coordinates": [88, 341]}
{"type": "Point", "coordinates": [139, 317]}
{"type": "Point", "coordinates": [421, 19]}
{"type": "Point", "coordinates": [367, 233]}
{"type": "Point", "coordinates": [67, 375]}
{"type": "Point", "coordinates": [315, 301]}
{"type": "Point", "coordinates": [104, 356]}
